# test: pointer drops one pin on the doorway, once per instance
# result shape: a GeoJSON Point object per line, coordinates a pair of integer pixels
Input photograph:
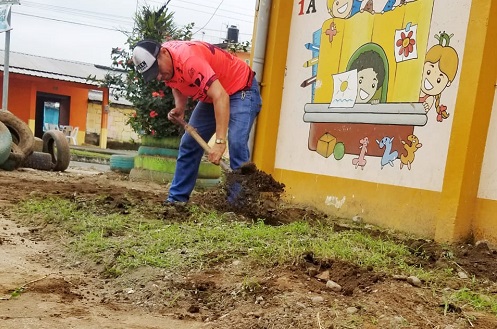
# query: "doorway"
{"type": "Point", "coordinates": [51, 111]}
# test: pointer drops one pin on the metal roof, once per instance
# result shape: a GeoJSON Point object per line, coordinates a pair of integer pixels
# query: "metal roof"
{"type": "Point", "coordinates": [97, 95]}
{"type": "Point", "coordinates": [52, 68]}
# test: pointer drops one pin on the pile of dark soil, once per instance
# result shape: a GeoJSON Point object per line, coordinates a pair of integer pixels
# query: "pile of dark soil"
{"type": "Point", "coordinates": [255, 195]}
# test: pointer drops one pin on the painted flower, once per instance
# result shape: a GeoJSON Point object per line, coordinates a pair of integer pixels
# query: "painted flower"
{"type": "Point", "coordinates": [153, 114]}
{"type": "Point", "coordinates": [406, 44]}
{"type": "Point", "coordinates": [155, 94]}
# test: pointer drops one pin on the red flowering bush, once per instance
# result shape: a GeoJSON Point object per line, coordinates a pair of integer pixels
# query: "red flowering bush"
{"type": "Point", "coordinates": [153, 100]}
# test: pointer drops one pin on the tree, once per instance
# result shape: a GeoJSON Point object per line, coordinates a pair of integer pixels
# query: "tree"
{"type": "Point", "coordinates": [153, 100]}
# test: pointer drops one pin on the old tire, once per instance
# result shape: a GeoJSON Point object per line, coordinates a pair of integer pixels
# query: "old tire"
{"type": "Point", "coordinates": [158, 151]}
{"type": "Point", "coordinates": [38, 145]}
{"type": "Point", "coordinates": [5, 143]}
{"type": "Point", "coordinates": [145, 175]}
{"type": "Point", "coordinates": [166, 142]}
{"type": "Point", "coordinates": [39, 161]}
{"type": "Point", "coordinates": [16, 157]}
{"type": "Point", "coordinates": [21, 134]}
{"type": "Point", "coordinates": [56, 144]}
{"type": "Point", "coordinates": [122, 163]}
{"type": "Point", "coordinates": [168, 165]}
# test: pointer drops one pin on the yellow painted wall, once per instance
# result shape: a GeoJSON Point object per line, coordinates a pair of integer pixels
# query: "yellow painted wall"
{"type": "Point", "coordinates": [264, 150]}
{"type": "Point", "coordinates": [456, 215]}
{"type": "Point", "coordinates": [485, 224]}
{"type": "Point", "coordinates": [382, 205]}
{"type": "Point", "coordinates": [452, 214]}
{"type": "Point", "coordinates": [118, 130]}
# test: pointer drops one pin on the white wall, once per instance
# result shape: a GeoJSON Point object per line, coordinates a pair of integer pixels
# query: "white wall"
{"type": "Point", "coordinates": [488, 178]}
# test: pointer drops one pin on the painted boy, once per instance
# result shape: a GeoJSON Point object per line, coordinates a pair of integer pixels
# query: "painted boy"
{"type": "Point", "coordinates": [370, 76]}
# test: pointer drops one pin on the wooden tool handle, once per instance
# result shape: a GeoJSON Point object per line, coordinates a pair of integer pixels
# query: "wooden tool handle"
{"type": "Point", "coordinates": [189, 129]}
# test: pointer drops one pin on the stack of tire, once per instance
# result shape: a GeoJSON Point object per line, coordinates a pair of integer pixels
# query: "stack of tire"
{"type": "Point", "coordinates": [156, 161]}
{"type": "Point", "coordinates": [18, 147]}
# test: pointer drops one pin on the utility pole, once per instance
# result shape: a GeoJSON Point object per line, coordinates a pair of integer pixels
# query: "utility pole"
{"type": "Point", "coordinates": [5, 17]}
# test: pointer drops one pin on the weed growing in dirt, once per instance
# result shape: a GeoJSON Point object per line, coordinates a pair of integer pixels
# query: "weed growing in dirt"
{"type": "Point", "coordinates": [17, 292]}
{"type": "Point", "coordinates": [478, 301]}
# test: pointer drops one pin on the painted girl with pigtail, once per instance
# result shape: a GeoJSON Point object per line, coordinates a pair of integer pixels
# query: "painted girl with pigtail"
{"type": "Point", "coordinates": [440, 68]}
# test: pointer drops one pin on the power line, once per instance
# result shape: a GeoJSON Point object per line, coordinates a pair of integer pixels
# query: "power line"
{"type": "Point", "coordinates": [69, 22]}
{"type": "Point", "coordinates": [213, 14]}
{"type": "Point", "coordinates": [200, 5]}
{"type": "Point", "coordinates": [204, 12]}
{"type": "Point", "coordinates": [239, 33]}
{"type": "Point", "coordinates": [74, 11]}
{"type": "Point", "coordinates": [101, 27]}
{"type": "Point", "coordinates": [92, 14]}
{"type": "Point", "coordinates": [231, 6]}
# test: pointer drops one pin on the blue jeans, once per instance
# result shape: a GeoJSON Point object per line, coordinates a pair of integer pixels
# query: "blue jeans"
{"type": "Point", "coordinates": [244, 107]}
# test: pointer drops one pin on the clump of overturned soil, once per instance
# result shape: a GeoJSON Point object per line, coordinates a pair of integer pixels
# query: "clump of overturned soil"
{"type": "Point", "coordinates": [255, 195]}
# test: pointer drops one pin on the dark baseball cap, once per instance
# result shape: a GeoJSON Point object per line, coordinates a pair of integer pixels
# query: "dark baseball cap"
{"type": "Point", "coordinates": [145, 59]}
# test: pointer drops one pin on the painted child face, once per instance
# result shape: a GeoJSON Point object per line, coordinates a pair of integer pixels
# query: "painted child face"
{"type": "Point", "coordinates": [434, 81]}
{"type": "Point", "coordinates": [340, 8]}
{"type": "Point", "coordinates": [367, 85]}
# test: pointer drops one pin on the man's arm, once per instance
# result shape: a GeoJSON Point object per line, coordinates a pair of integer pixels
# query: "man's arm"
{"type": "Point", "coordinates": [221, 102]}
{"type": "Point", "coordinates": [180, 101]}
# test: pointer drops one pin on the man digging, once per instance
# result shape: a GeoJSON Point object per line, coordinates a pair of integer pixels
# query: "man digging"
{"type": "Point", "coordinates": [229, 101]}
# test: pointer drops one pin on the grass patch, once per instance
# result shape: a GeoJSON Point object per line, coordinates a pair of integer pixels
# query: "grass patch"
{"type": "Point", "coordinates": [122, 242]}
{"type": "Point", "coordinates": [89, 154]}
{"type": "Point", "coordinates": [205, 238]}
{"type": "Point", "coordinates": [478, 301]}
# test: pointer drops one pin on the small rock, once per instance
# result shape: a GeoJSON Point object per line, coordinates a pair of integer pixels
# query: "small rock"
{"type": "Point", "coordinates": [333, 286]}
{"type": "Point", "coordinates": [301, 305]}
{"type": "Point", "coordinates": [312, 271]}
{"type": "Point", "coordinates": [357, 219]}
{"type": "Point", "coordinates": [259, 299]}
{"type": "Point", "coordinates": [352, 310]}
{"type": "Point", "coordinates": [236, 263]}
{"type": "Point", "coordinates": [462, 275]}
{"type": "Point", "coordinates": [400, 277]}
{"type": "Point", "coordinates": [414, 281]}
{"type": "Point", "coordinates": [324, 276]}
{"type": "Point", "coordinates": [317, 300]}
{"type": "Point", "coordinates": [482, 245]}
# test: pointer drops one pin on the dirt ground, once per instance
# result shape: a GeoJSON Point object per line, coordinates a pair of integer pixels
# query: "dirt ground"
{"type": "Point", "coordinates": [61, 291]}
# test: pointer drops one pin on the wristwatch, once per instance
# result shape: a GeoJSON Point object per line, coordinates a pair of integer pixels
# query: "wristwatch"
{"type": "Point", "coordinates": [220, 141]}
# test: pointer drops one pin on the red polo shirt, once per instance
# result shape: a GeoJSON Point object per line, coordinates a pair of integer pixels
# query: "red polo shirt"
{"type": "Point", "coordinates": [197, 64]}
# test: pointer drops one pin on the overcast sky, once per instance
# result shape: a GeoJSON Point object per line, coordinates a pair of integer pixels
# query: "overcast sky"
{"type": "Point", "coordinates": [87, 30]}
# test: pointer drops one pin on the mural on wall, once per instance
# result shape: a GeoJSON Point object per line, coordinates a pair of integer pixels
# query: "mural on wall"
{"type": "Point", "coordinates": [375, 80]}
